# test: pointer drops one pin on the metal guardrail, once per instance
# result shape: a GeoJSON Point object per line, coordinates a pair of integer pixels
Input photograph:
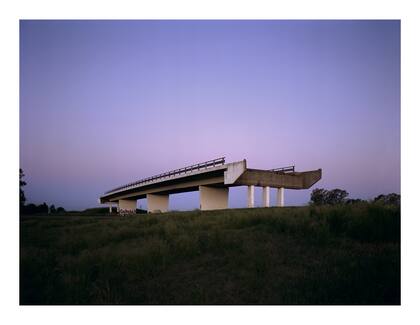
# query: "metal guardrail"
{"type": "Point", "coordinates": [287, 169]}
{"type": "Point", "coordinates": [188, 169]}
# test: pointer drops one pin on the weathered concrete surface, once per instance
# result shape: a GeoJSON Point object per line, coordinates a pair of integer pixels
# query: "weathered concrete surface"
{"type": "Point", "coordinates": [296, 180]}
{"type": "Point", "coordinates": [311, 177]}
{"type": "Point", "coordinates": [127, 205]}
{"type": "Point", "coordinates": [234, 170]}
{"type": "Point", "coordinates": [157, 202]}
{"type": "Point", "coordinates": [213, 198]}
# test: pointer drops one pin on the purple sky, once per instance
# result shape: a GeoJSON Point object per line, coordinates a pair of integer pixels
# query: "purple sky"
{"type": "Point", "coordinates": [103, 103]}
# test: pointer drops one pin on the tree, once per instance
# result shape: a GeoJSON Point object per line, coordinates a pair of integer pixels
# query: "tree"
{"type": "Point", "coordinates": [320, 196]}
{"type": "Point", "coordinates": [22, 183]}
{"type": "Point", "coordinates": [336, 196]}
{"type": "Point", "coordinates": [43, 208]}
{"type": "Point", "coordinates": [391, 199]}
{"type": "Point", "coordinates": [60, 210]}
{"type": "Point", "coordinates": [30, 209]}
{"type": "Point", "coordinates": [354, 201]}
{"type": "Point", "coordinates": [52, 209]}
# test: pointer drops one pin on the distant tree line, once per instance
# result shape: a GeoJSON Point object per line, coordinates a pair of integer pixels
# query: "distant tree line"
{"type": "Point", "coordinates": [33, 208]}
{"type": "Point", "coordinates": [392, 198]}
{"type": "Point", "coordinates": [320, 196]}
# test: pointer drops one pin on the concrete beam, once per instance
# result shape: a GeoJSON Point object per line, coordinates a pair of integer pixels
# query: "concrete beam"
{"type": "Point", "coordinates": [127, 206]}
{"type": "Point", "coordinates": [157, 203]}
{"type": "Point", "coordinates": [192, 185]}
{"type": "Point", "coordinates": [251, 201]}
{"type": "Point", "coordinates": [213, 198]}
{"type": "Point", "coordinates": [183, 177]}
{"type": "Point", "coordinates": [266, 196]}
{"type": "Point", "coordinates": [280, 197]}
{"type": "Point", "coordinates": [311, 177]}
{"type": "Point", "coordinates": [296, 180]}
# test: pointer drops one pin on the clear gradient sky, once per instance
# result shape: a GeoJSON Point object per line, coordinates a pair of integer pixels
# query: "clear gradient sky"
{"type": "Point", "coordinates": [103, 103]}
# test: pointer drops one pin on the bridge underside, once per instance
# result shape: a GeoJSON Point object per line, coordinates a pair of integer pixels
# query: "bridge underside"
{"type": "Point", "coordinates": [213, 185]}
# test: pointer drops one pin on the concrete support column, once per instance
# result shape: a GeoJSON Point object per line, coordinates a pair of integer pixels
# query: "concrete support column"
{"type": "Point", "coordinates": [110, 207]}
{"type": "Point", "coordinates": [251, 202]}
{"type": "Point", "coordinates": [280, 197]}
{"type": "Point", "coordinates": [213, 198]}
{"type": "Point", "coordinates": [266, 196]}
{"type": "Point", "coordinates": [127, 206]}
{"type": "Point", "coordinates": [157, 202]}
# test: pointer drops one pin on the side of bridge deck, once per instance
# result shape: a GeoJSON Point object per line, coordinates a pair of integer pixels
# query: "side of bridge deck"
{"type": "Point", "coordinates": [212, 179]}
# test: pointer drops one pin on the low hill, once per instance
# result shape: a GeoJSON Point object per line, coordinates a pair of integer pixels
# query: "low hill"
{"type": "Point", "coordinates": [307, 255]}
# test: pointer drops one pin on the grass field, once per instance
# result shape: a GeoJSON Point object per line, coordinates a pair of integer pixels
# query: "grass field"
{"type": "Point", "coordinates": [307, 255]}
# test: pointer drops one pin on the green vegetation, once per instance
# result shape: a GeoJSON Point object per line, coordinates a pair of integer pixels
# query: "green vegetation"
{"type": "Point", "coordinates": [344, 254]}
{"type": "Point", "coordinates": [320, 196]}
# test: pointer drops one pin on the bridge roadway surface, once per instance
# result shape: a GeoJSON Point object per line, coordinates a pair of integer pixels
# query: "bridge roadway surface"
{"type": "Point", "coordinates": [212, 180]}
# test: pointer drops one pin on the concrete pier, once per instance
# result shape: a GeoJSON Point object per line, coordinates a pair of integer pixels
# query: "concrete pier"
{"type": "Point", "coordinates": [157, 202]}
{"type": "Point", "coordinates": [127, 205]}
{"type": "Point", "coordinates": [280, 197]}
{"type": "Point", "coordinates": [213, 198]}
{"type": "Point", "coordinates": [251, 201]}
{"type": "Point", "coordinates": [266, 196]}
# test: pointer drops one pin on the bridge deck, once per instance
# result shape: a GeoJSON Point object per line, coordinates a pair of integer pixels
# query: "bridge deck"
{"type": "Point", "coordinates": [198, 172]}
{"type": "Point", "coordinates": [213, 173]}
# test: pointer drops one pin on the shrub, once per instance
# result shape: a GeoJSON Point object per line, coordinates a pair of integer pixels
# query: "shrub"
{"type": "Point", "coordinates": [320, 196]}
{"type": "Point", "coordinates": [377, 224]}
{"type": "Point", "coordinates": [391, 199]}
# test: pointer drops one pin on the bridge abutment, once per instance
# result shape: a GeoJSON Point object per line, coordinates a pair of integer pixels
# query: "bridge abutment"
{"type": "Point", "coordinates": [157, 203]}
{"type": "Point", "coordinates": [213, 198]}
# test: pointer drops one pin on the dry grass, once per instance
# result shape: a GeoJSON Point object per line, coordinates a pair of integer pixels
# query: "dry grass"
{"type": "Point", "coordinates": [308, 255]}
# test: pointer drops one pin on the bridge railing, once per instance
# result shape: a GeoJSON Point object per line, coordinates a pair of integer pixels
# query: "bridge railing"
{"type": "Point", "coordinates": [287, 169]}
{"type": "Point", "coordinates": [185, 170]}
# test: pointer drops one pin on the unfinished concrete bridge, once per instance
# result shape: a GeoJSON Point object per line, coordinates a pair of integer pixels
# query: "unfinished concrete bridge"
{"type": "Point", "coordinates": [212, 179]}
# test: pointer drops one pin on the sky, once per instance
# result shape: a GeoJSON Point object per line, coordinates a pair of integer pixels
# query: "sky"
{"type": "Point", "coordinates": [104, 103]}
